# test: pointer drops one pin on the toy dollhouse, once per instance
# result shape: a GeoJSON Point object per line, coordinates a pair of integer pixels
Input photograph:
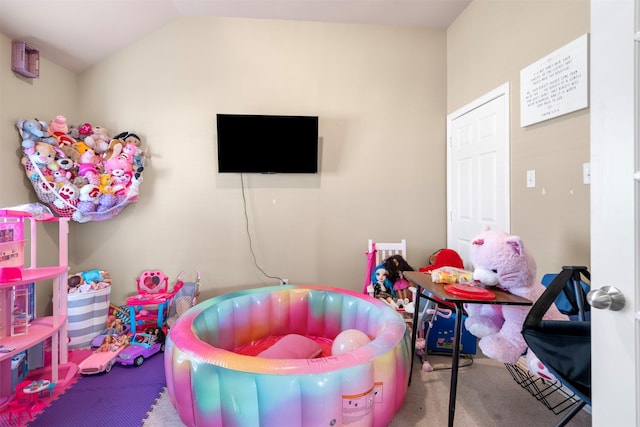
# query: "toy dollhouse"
{"type": "Point", "coordinates": [20, 329]}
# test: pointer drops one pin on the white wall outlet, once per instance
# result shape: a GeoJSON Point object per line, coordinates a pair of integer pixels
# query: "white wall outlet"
{"type": "Point", "coordinates": [586, 173]}
{"type": "Point", "coordinates": [531, 178]}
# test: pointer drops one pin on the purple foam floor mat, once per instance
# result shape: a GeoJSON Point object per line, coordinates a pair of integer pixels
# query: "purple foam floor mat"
{"type": "Point", "coordinates": [122, 397]}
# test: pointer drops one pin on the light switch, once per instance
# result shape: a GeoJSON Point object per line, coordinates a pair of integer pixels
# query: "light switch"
{"type": "Point", "coordinates": [531, 178]}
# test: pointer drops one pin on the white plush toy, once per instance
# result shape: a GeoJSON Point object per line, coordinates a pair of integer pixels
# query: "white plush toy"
{"type": "Point", "coordinates": [501, 260]}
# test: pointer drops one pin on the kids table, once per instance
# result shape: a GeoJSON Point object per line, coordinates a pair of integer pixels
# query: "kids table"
{"type": "Point", "coordinates": [34, 390]}
{"type": "Point", "coordinates": [432, 291]}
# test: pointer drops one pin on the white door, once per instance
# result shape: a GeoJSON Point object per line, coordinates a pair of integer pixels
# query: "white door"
{"type": "Point", "coordinates": [478, 169]}
{"type": "Point", "coordinates": [614, 211]}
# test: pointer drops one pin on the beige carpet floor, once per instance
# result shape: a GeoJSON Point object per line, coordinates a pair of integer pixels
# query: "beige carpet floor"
{"type": "Point", "coordinates": [488, 396]}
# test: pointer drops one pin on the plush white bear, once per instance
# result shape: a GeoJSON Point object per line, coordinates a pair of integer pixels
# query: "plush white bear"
{"type": "Point", "coordinates": [501, 260]}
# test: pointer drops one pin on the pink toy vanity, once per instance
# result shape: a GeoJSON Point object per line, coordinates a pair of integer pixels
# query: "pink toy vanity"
{"type": "Point", "coordinates": [151, 304]}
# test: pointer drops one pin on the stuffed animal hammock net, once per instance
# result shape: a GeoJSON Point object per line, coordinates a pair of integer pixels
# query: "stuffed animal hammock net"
{"type": "Point", "coordinates": [80, 172]}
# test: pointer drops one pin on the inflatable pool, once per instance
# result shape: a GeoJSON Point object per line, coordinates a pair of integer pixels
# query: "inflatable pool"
{"type": "Point", "coordinates": [211, 385]}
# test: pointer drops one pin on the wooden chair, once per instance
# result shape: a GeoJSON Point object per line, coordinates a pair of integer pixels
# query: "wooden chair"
{"type": "Point", "coordinates": [428, 311]}
{"type": "Point", "coordinates": [385, 250]}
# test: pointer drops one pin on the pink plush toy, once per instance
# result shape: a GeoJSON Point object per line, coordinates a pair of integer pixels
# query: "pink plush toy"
{"type": "Point", "coordinates": [500, 259]}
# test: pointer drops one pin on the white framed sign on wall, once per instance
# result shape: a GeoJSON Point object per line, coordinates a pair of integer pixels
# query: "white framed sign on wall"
{"type": "Point", "coordinates": [556, 84]}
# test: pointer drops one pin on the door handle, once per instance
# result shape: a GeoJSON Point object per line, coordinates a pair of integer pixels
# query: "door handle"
{"type": "Point", "coordinates": [606, 298]}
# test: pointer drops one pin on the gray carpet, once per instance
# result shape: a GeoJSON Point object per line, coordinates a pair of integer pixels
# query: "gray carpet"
{"type": "Point", "coordinates": [488, 396]}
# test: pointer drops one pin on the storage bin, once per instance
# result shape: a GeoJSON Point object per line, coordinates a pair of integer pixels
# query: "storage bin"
{"type": "Point", "coordinates": [87, 313]}
{"type": "Point", "coordinates": [440, 337]}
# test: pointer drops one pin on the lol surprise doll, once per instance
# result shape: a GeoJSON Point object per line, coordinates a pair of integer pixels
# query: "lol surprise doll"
{"type": "Point", "coordinates": [395, 265]}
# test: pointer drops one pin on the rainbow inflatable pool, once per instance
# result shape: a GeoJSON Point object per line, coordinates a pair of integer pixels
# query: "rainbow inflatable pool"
{"type": "Point", "coordinates": [210, 385]}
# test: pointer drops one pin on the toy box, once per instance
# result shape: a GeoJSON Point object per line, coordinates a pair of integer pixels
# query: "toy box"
{"type": "Point", "coordinates": [440, 337]}
{"type": "Point", "coordinates": [88, 312]}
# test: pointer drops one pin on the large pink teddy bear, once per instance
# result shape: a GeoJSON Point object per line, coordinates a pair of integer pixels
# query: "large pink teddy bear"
{"type": "Point", "coordinates": [501, 260]}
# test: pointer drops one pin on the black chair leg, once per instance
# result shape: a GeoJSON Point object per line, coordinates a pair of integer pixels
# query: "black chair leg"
{"type": "Point", "coordinates": [577, 408]}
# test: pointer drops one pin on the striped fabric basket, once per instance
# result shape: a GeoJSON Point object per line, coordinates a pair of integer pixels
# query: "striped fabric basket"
{"type": "Point", "coordinates": [88, 312]}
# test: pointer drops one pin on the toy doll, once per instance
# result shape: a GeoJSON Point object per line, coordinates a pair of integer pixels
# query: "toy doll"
{"type": "Point", "coordinates": [117, 326]}
{"type": "Point", "coordinates": [382, 287]}
{"type": "Point", "coordinates": [122, 340]}
{"type": "Point", "coordinates": [157, 334]}
{"type": "Point", "coordinates": [95, 276]}
{"type": "Point", "coordinates": [395, 265]}
{"type": "Point", "coordinates": [107, 343]}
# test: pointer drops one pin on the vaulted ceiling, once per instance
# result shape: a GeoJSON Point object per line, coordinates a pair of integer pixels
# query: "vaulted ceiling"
{"type": "Point", "coordinates": [77, 34]}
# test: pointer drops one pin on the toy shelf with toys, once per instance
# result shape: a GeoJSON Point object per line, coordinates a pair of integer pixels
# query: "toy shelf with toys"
{"type": "Point", "coordinates": [20, 329]}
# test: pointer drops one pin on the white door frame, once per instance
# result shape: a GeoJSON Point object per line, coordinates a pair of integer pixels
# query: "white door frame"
{"type": "Point", "coordinates": [502, 90]}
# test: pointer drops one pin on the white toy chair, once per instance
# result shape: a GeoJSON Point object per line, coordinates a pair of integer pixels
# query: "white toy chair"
{"type": "Point", "coordinates": [429, 310]}
{"type": "Point", "coordinates": [385, 250]}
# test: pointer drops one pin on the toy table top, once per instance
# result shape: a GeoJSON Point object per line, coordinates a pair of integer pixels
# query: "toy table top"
{"type": "Point", "coordinates": [37, 386]}
{"type": "Point", "coordinates": [438, 290]}
{"type": "Point", "coordinates": [143, 299]}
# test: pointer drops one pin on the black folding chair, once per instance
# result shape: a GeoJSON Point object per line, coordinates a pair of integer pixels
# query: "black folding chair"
{"type": "Point", "coordinates": [564, 347]}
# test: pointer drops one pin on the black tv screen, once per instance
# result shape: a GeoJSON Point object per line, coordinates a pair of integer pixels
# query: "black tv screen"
{"type": "Point", "coordinates": [267, 143]}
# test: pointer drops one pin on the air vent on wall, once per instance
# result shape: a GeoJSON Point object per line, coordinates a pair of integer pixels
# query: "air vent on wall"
{"type": "Point", "coordinates": [25, 60]}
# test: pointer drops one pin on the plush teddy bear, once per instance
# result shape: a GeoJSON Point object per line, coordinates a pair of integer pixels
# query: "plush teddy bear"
{"type": "Point", "coordinates": [43, 156]}
{"type": "Point", "coordinates": [500, 259]}
{"type": "Point", "coordinates": [98, 140]}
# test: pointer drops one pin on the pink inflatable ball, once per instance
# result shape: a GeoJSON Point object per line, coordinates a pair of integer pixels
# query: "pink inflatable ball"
{"type": "Point", "coordinates": [348, 340]}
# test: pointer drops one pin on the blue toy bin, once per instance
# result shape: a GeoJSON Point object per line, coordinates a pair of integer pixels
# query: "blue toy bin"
{"type": "Point", "coordinates": [440, 337]}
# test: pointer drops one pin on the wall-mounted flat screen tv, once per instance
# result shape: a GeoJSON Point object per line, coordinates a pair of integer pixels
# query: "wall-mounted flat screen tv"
{"type": "Point", "coordinates": [267, 143]}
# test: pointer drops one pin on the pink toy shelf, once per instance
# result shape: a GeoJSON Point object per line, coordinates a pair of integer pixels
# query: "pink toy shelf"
{"type": "Point", "coordinates": [20, 329]}
{"type": "Point", "coordinates": [16, 319]}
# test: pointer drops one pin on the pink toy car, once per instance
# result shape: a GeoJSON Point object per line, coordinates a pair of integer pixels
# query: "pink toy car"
{"type": "Point", "coordinates": [99, 361]}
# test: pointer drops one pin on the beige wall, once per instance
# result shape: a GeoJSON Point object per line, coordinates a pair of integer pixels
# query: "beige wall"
{"type": "Point", "coordinates": [26, 98]}
{"type": "Point", "coordinates": [488, 45]}
{"type": "Point", "coordinates": [380, 95]}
